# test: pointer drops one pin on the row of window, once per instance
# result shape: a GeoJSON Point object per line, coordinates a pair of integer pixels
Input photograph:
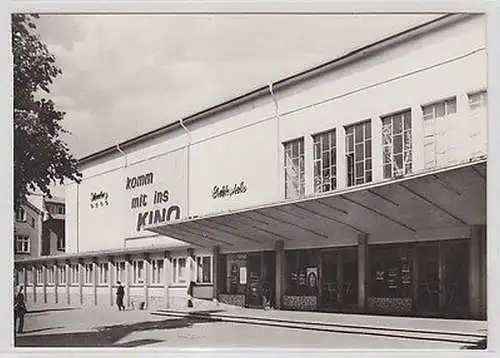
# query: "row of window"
{"type": "Point", "coordinates": [137, 272]}
{"type": "Point", "coordinates": [396, 148]}
{"type": "Point", "coordinates": [22, 244]}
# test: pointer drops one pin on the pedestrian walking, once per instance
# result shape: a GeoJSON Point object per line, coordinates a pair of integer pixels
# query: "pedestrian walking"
{"type": "Point", "coordinates": [19, 310]}
{"type": "Point", "coordinates": [120, 292]}
{"type": "Point", "coordinates": [190, 294]}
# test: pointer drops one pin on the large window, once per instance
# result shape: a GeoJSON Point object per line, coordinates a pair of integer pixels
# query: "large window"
{"type": "Point", "coordinates": [438, 125]}
{"type": "Point", "coordinates": [22, 244]}
{"type": "Point", "coordinates": [359, 153]}
{"type": "Point", "coordinates": [103, 273]}
{"type": "Point", "coordinates": [120, 271]}
{"type": "Point", "coordinates": [21, 215]}
{"type": "Point", "coordinates": [390, 271]}
{"type": "Point", "coordinates": [75, 274]}
{"type": "Point", "coordinates": [325, 162]}
{"type": "Point", "coordinates": [61, 275]}
{"type": "Point", "coordinates": [478, 99]}
{"type": "Point", "coordinates": [179, 270]}
{"type": "Point", "coordinates": [137, 271]}
{"type": "Point", "coordinates": [204, 269]}
{"type": "Point", "coordinates": [294, 168]}
{"type": "Point", "coordinates": [39, 275]}
{"type": "Point", "coordinates": [157, 271]}
{"type": "Point", "coordinates": [302, 272]}
{"type": "Point", "coordinates": [88, 273]}
{"type": "Point", "coordinates": [440, 109]}
{"type": "Point", "coordinates": [50, 275]}
{"type": "Point", "coordinates": [396, 140]}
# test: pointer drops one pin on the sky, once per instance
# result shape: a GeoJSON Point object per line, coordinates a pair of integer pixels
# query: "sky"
{"type": "Point", "coordinates": [124, 75]}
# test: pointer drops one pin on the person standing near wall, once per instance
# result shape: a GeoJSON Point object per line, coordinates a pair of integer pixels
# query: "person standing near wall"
{"type": "Point", "coordinates": [19, 310]}
{"type": "Point", "coordinates": [120, 292]}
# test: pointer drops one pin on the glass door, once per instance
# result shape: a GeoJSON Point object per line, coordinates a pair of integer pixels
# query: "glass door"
{"type": "Point", "coordinates": [428, 275]}
{"type": "Point", "coordinates": [329, 281]}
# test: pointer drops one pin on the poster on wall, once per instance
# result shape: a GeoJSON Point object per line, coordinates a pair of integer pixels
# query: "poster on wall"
{"type": "Point", "coordinates": [243, 275]}
{"type": "Point", "coordinates": [312, 277]}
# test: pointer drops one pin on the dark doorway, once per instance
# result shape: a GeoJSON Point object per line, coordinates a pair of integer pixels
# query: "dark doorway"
{"type": "Point", "coordinates": [339, 280]}
{"type": "Point", "coordinates": [428, 274]}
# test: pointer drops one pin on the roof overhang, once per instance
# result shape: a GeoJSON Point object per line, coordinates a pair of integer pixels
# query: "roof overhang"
{"type": "Point", "coordinates": [454, 197]}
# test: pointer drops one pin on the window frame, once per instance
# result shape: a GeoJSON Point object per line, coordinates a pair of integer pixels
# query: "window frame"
{"type": "Point", "coordinates": [138, 274]}
{"type": "Point", "coordinates": [435, 106]}
{"type": "Point", "coordinates": [75, 274]}
{"type": "Point", "coordinates": [157, 271]}
{"type": "Point", "coordinates": [176, 271]}
{"type": "Point", "coordinates": [23, 240]}
{"type": "Point", "coordinates": [406, 134]}
{"type": "Point", "coordinates": [21, 215]}
{"type": "Point", "coordinates": [319, 168]}
{"type": "Point", "coordinates": [88, 268]}
{"type": "Point", "coordinates": [103, 274]}
{"type": "Point", "coordinates": [200, 269]}
{"type": "Point", "coordinates": [287, 164]}
{"type": "Point", "coordinates": [366, 162]}
{"type": "Point", "coordinates": [483, 99]}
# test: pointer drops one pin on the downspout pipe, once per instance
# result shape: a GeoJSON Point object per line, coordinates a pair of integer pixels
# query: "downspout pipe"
{"type": "Point", "coordinates": [126, 163]}
{"type": "Point", "coordinates": [278, 141]}
{"type": "Point", "coordinates": [123, 153]}
{"type": "Point", "coordinates": [188, 150]}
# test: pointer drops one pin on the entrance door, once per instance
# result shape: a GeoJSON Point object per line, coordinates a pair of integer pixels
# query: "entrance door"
{"type": "Point", "coordinates": [254, 279]}
{"type": "Point", "coordinates": [428, 274]}
{"type": "Point", "coordinates": [339, 277]}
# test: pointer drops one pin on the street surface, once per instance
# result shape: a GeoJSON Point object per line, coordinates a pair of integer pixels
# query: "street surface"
{"type": "Point", "coordinates": [107, 327]}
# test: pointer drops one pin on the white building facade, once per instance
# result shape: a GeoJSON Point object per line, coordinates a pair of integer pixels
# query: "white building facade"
{"type": "Point", "coordinates": [356, 186]}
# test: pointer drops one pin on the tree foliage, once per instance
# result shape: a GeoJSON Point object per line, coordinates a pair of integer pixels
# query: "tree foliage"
{"type": "Point", "coordinates": [41, 157]}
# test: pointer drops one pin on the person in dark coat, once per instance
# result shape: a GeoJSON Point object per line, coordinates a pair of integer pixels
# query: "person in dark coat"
{"type": "Point", "coordinates": [19, 310]}
{"type": "Point", "coordinates": [120, 292]}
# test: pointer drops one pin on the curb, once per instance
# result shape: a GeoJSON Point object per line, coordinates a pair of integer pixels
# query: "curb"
{"type": "Point", "coordinates": [390, 332]}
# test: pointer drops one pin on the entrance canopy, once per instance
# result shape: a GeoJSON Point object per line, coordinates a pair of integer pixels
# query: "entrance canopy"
{"type": "Point", "coordinates": [411, 207]}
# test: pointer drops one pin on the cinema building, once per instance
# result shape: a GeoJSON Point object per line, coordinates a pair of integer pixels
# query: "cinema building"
{"type": "Point", "coordinates": [355, 186]}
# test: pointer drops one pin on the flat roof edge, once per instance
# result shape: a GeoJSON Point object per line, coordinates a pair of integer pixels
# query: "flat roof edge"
{"type": "Point", "coordinates": [281, 84]}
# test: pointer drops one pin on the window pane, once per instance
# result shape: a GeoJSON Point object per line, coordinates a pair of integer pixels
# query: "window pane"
{"type": "Point", "coordinates": [326, 142]}
{"type": "Point", "coordinates": [451, 106]}
{"type": "Point", "coordinates": [359, 152]}
{"type": "Point", "coordinates": [368, 176]}
{"type": "Point", "coordinates": [398, 144]}
{"type": "Point", "coordinates": [440, 109]}
{"type": "Point", "coordinates": [317, 150]}
{"type": "Point", "coordinates": [387, 171]}
{"type": "Point", "coordinates": [333, 156]}
{"type": "Point", "coordinates": [359, 169]}
{"type": "Point", "coordinates": [326, 159]}
{"type": "Point", "coordinates": [350, 143]}
{"type": "Point", "coordinates": [358, 131]}
{"type": "Point", "coordinates": [368, 149]}
{"type": "Point", "coordinates": [427, 111]}
{"type": "Point", "coordinates": [396, 125]}
{"type": "Point", "coordinates": [407, 120]}
{"type": "Point", "coordinates": [368, 130]}
{"type": "Point", "coordinates": [368, 164]}
{"type": "Point", "coordinates": [207, 269]}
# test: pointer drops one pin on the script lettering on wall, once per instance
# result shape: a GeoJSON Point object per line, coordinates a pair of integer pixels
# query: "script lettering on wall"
{"type": "Point", "coordinates": [227, 191]}
{"type": "Point", "coordinates": [146, 200]}
{"type": "Point", "coordinates": [99, 199]}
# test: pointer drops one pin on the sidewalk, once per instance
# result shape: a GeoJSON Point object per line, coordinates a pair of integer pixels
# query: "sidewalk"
{"type": "Point", "coordinates": [446, 330]}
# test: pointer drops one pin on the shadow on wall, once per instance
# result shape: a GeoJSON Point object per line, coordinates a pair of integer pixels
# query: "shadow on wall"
{"type": "Point", "coordinates": [105, 336]}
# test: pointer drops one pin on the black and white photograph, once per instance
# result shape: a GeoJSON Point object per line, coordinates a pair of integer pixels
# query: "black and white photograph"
{"type": "Point", "coordinates": [250, 180]}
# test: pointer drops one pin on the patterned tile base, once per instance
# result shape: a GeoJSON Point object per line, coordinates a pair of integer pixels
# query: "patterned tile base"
{"type": "Point", "coordinates": [301, 303]}
{"type": "Point", "coordinates": [390, 305]}
{"type": "Point", "coordinates": [235, 300]}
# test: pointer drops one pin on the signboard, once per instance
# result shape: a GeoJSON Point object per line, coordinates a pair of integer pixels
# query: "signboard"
{"type": "Point", "coordinates": [123, 203]}
{"type": "Point", "coordinates": [312, 277]}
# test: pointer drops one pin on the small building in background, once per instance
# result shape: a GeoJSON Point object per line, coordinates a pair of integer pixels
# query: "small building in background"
{"type": "Point", "coordinates": [53, 238]}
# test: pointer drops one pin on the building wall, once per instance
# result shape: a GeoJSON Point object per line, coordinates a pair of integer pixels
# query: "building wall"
{"type": "Point", "coordinates": [31, 228]}
{"type": "Point", "coordinates": [243, 145]}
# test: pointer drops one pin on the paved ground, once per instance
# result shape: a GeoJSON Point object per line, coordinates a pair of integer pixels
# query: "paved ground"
{"type": "Point", "coordinates": [105, 327]}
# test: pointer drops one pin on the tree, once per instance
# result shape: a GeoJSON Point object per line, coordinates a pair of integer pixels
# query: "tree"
{"type": "Point", "coordinates": [41, 157]}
